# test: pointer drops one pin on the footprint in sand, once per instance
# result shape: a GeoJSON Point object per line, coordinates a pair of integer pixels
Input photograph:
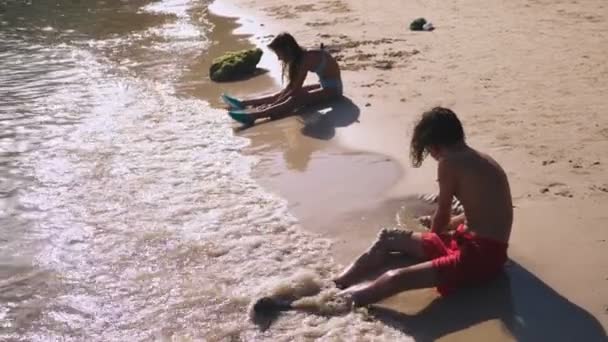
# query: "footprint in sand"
{"type": "Point", "coordinates": [559, 189]}
{"type": "Point", "coordinates": [339, 20]}
{"type": "Point", "coordinates": [599, 188]}
{"type": "Point", "coordinates": [383, 64]}
{"type": "Point", "coordinates": [305, 8]}
{"type": "Point", "coordinates": [336, 7]}
{"type": "Point", "coordinates": [281, 12]}
{"type": "Point", "coordinates": [318, 23]}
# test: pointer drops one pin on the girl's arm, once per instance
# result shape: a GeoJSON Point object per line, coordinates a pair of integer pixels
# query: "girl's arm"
{"type": "Point", "coordinates": [294, 85]}
{"type": "Point", "coordinates": [283, 94]}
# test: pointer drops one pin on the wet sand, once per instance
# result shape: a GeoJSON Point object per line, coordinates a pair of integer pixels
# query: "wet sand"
{"type": "Point", "coordinates": [527, 78]}
{"type": "Point", "coordinates": [328, 184]}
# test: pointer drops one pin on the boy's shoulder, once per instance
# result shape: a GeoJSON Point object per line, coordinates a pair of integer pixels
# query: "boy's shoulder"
{"type": "Point", "coordinates": [473, 159]}
{"type": "Point", "coordinates": [467, 159]}
{"type": "Point", "coordinates": [459, 157]}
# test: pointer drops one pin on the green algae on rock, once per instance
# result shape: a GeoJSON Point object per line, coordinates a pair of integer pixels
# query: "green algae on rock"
{"type": "Point", "coordinates": [418, 24]}
{"type": "Point", "coordinates": [235, 65]}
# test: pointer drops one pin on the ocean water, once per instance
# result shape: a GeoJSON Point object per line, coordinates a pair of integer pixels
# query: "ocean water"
{"type": "Point", "coordinates": [127, 209]}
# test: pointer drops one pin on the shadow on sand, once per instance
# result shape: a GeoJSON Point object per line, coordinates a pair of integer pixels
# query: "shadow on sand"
{"type": "Point", "coordinates": [528, 308]}
{"type": "Point", "coordinates": [257, 72]}
{"type": "Point", "coordinates": [320, 121]}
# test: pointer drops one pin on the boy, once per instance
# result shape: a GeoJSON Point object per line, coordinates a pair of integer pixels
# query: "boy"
{"type": "Point", "coordinates": [468, 249]}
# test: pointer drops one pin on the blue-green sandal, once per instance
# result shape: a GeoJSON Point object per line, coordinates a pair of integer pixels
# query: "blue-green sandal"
{"type": "Point", "coordinates": [233, 102]}
{"type": "Point", "coordinates": [242, 117]}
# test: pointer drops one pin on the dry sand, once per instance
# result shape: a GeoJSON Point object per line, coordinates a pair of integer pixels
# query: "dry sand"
{"type": "Point", "coordinates": [528, 79]}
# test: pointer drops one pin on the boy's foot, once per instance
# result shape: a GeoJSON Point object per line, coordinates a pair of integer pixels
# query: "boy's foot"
{"type": "Point", "coordinates": [367, 262]}
{"type": "Point", "coordinates": [352, 292]}
{"type": "Point", "coordinates": [353, 273]}
{"type": "Point", "coordinates": [340, 282]}
{"type": "Point", "coordinates": [346, 278]}
{"type": "Point", "coordinates": [268, 305]}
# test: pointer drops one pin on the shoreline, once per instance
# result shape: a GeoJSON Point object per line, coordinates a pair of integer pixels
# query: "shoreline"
{"type": "Point", "coordinates": [300, 166]}
{"type": "Point", "coordinates": [525, 115]}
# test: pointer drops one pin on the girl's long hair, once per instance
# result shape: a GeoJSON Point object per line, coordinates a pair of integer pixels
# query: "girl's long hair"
{"type": "Point", "coordinates": [293, 52]}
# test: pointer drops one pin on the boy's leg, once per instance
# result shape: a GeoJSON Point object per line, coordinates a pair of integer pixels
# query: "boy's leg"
{"type": "Point", "coordinates": [388, 241]}
{"type": "Point", "coordinates": [418, 276]}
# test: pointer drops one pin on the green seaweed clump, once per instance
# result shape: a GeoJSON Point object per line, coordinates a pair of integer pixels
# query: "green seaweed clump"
{"type": "Point", "coordinates": [418, 24]}
{"type": "Point", "coordinates": [235, 65]}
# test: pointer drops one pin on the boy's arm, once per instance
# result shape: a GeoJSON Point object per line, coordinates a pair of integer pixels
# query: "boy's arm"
{"type": "Point", "coordinates": [447, 188]}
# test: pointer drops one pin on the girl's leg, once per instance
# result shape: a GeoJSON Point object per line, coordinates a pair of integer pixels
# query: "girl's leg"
{"type": "Point", "coordinates": [302, 98]}
{"type": "Point", "coordinates": [271, 99]}
{"type": "Point", "coordinates": [394, 281]}
{"type": "Point", "coordinates": [388, 241]}
{"type": "Point", "coordinates": [261, 100]}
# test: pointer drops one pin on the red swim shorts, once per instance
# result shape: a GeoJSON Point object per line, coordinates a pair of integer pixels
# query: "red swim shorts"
{"type": "Point", "coordinates": [464, 259]}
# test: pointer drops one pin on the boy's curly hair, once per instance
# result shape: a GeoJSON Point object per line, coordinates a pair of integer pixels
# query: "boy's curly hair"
{"type": "Point", "coordinates": [438, 126]}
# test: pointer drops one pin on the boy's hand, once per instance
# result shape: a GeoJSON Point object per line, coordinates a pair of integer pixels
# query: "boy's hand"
{"type": "Point", "coordinates": [425, 221]}
{"type": "Point", "coordinates": [456, 221]}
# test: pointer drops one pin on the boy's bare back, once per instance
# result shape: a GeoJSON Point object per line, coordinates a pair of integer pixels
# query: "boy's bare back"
{"type": "Point", "coordinates": [483, 189]}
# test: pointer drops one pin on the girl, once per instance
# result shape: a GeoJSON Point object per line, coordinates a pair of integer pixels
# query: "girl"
{"type": "Point", "coordinates": [297, 62]}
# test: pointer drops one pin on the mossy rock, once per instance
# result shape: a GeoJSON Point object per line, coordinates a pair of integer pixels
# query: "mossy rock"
{"type": "Point", "coordinates": [418, 24]}
{"type": "Point", "coordinates": [235, 65]}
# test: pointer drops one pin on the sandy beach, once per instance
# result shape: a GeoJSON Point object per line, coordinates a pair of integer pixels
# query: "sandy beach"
{"type": "Point", "coordinates": [527, 78]}
{"type": "Point", "coordinates": [133, 208]}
